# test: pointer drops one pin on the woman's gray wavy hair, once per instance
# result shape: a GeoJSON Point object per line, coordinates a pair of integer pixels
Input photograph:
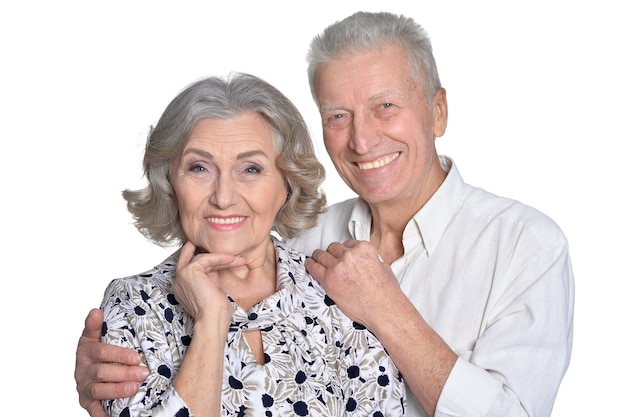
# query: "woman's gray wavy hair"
{"type": "Point", "coordinates": [365, 31]}
{"type": "Point", "coordinates": [155, 209]}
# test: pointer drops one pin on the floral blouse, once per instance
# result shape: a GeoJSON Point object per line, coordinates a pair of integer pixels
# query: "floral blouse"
{"type": "Point", "coordinates": [318, 362]}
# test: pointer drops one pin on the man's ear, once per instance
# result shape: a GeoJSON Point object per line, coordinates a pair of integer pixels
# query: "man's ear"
{"type": "Point", "coordinates": [440, 112]}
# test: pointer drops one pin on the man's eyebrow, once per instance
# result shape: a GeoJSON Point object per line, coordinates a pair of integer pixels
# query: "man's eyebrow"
{"type": "Point", "coordinates": [331, 107]}
{"type": "Point", "coordinates": [382, 94]}
{"type": "Point", "coordinates": [377, 96]}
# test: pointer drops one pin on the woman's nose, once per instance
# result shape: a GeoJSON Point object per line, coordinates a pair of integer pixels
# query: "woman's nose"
{"type": "Point", "coordinates": [224, 193]}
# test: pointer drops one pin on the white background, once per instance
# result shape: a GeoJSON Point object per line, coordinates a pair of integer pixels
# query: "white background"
{"type": "Point", "coordinates": [536, 93]}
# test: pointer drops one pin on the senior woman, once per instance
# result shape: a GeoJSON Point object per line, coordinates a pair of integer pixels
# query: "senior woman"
{"type": "Point", "coordinates": [231, 323]}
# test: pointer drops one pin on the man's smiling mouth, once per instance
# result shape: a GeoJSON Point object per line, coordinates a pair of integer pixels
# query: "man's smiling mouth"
{"type": "Point", "coordinates": [378, 163]}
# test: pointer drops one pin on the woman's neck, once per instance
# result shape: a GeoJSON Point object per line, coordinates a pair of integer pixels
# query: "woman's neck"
{"type": "Point", "coordinates": [253, 282]}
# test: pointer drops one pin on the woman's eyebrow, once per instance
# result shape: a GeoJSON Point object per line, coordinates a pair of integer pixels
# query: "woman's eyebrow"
{"type": "Point", "coordinates": [209, 155]}
{"type": "Point", "coordinates": [250, 153]}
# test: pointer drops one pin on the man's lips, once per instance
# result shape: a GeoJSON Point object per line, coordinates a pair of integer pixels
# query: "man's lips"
{"type": "Point", "coordinates": [380, 162]}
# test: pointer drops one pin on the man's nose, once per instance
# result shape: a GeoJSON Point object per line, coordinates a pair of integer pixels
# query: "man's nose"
{"type": "Point", "coordinates": [364, 135]}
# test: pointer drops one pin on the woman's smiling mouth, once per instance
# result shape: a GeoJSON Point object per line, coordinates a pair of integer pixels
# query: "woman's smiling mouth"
{"type": "Point", "coordinates": [225, 220]}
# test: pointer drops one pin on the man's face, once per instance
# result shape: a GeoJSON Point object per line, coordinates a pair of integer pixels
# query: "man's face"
{"type": "Point", "coordinates": [378, 129]}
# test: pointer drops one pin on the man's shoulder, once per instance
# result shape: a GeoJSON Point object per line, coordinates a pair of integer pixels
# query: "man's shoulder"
{"type": "Point", "coordinates": [509, 214]}
{"type": "Point", "coordinates": [338, 211]}
{"type": "Point", "coordinates": [481, 205]}
{"type": "Point", "coordinates": [332, 225]}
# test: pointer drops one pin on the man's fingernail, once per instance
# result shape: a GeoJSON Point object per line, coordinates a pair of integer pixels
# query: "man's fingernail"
{"type": "Point", "coordinates": [129, 389]}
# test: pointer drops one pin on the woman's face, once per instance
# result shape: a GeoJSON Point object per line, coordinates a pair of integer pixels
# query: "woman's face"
{"type": "Point", "coordinates": [228, 187]}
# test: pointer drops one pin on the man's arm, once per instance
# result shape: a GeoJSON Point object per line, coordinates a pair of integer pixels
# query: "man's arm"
{"type": "Point", "coordinates": [421, 355]}
{"type": "Point", "coordinates": [519, 359]}
{"type": "Point", "coordinates": [366, 290]}
{"type": "Point", "coordinates": [103, 371]}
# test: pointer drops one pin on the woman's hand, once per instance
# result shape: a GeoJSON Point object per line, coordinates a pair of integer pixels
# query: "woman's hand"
{"type": "Point", "coordinates": [196, 285]}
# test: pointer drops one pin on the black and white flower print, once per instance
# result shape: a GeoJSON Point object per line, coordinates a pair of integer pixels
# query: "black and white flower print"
{"type": "Point", "coordinates": [317, 361]}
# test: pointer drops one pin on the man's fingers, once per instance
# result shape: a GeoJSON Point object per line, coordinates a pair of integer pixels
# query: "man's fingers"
{"type": "Point", "coordinates": [351, 243]}
{"type": "Point", "coordinates": [112, 390]}
{"type": "Point", "coordinates": [104, 391]}
{"type": "Point", "coordinates": [336, 249]}
{"type": "Point", "coordinates": [93, 324]}
{"type": "Point", "coordinates": [116, 374]}
{"type": "Point", "coordinates": [91, 395]}
{"type": "Point", "coordinates": [90, 351]}
{"type": "Point", "coordinates": [324, 257]}
{"type": "Point", "coordinates": [316, 269]}
{"type": "Point", "coordinates": [95, 409]}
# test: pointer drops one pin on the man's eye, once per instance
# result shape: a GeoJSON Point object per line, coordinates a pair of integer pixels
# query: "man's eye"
{"type": "Point", "coordinates": [386, 105]}
{"type": "Point", "coordinates": [337, 120]}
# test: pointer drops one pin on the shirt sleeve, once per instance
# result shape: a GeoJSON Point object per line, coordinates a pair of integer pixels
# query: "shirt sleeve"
{"type": "Point", "coordinates": [131, 320]}
{"type": "Point", "coordinates": [522, 354]}
{"type": "Point", "coordinates": [462, 398]}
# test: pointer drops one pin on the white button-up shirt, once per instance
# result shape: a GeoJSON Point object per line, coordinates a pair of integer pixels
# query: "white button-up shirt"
{"type": "Point", "coordinates": [493, 278]}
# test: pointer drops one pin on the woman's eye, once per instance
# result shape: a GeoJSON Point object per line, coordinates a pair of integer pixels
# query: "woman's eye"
{"type": "Point", "coordinates": [252, 170]}
{"type": "Point", "coordinates": [197, 168]}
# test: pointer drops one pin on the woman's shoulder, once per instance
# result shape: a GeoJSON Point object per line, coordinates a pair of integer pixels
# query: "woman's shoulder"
{"type": "Point", "coordinates": [291, 262]}
{"type": "Point", "coordinates": [285, 250]}
{"type": "Point", "coordinates": [152, 283]}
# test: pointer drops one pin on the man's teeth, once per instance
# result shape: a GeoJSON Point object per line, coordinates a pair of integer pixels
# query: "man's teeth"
{"type": "Point", "coordinates": [378, 163]}
{"type": "Point", "coordinates": [227, 220]}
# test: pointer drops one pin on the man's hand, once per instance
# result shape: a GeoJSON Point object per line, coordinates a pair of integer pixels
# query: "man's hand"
{"type": "Point", "coordinates": [366, 290]}
{"type": "Point", "coordinates": [103, 371]}
{"type": "Point", "coordinates": [354, 276]}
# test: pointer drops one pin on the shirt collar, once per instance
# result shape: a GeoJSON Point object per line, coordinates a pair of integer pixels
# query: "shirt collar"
{"type": "Point", "coordinates": [430, 221]}
{"type": "Point", "coordinates": [276, 307]}
{"type": "Point", "coordinates": [436, 214]}
{"type": "Point", "coordinates": [360, 221]}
